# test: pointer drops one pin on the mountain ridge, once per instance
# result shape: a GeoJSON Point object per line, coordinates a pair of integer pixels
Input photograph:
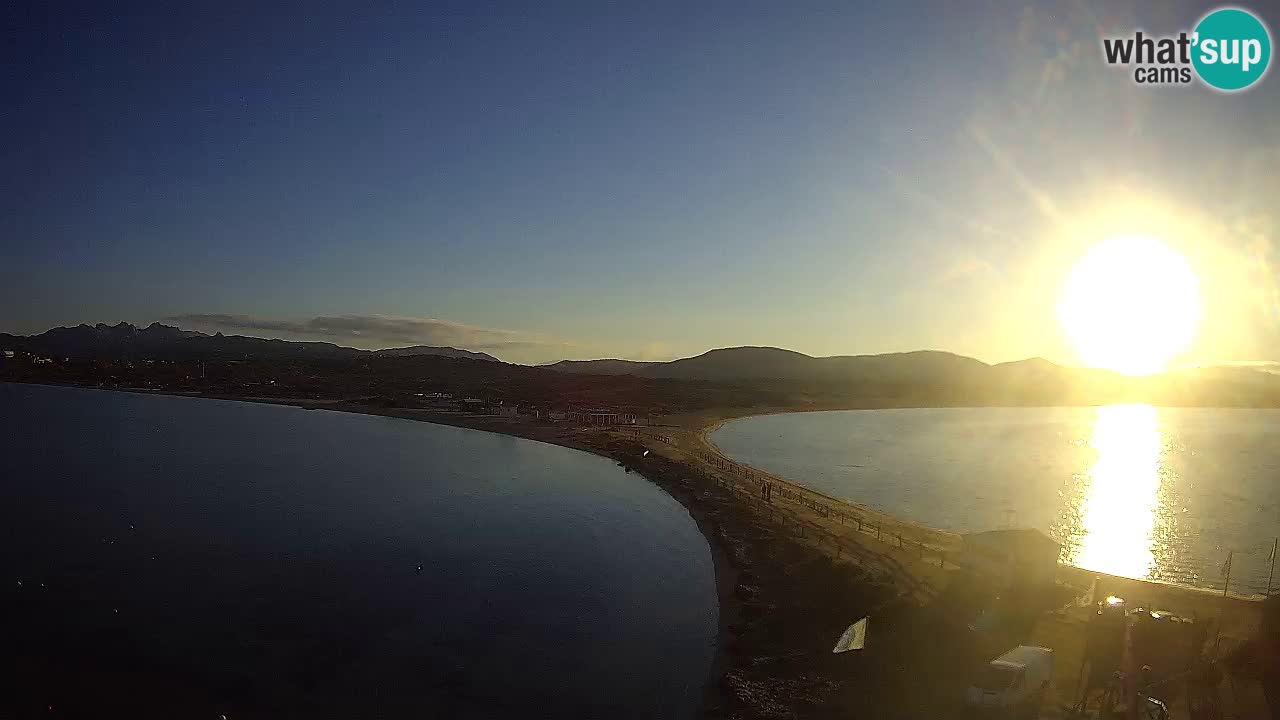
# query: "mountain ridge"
{"type": "Point", "coordinates": [741, 376]}
{"type": "Point", "coordinates": [922, 370]}
{"type": "Point", "coordinates": [103, 340]}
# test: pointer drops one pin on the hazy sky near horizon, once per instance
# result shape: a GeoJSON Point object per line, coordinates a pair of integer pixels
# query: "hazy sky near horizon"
{"type": "Point", "coordinates": [556, 180]}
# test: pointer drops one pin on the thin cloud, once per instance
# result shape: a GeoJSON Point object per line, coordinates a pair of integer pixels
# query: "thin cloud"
{"type": "Point", "coordinates": [942, 210]}
{"type": "Point", "coordinates": [1267, 366]}
{"type": "Point", "coordinates": [374, 330]}
{"type": "Point", "coordinates": [1005, 161]}
{"type": "Point", "coordinates": [381, 331]}
{"type": "Point", "coordinates": [970, 267]}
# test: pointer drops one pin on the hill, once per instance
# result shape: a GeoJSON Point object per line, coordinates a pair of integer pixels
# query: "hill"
{"type": "Point", "coordinates": [109, 355]}
{"type": "Point", "coordinates": [157, 340]}
{"type": "Point", "coordinates": [769, 363]}
{"type": "Point", "coordinates": [601, 367]}
{"type": "Point", "coordinates": [437, 351]}
{"type": "Point", "coordinates": [929, 377]}
{"type": "Point", "coordinates": [740, 363]}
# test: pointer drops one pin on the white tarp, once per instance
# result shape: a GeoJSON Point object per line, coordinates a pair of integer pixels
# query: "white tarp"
{"type": "Point", "coordinates": [855, 638]}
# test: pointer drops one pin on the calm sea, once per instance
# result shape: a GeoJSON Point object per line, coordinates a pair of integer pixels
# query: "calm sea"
{"type": "Point", "coordinates": [189, 558]}
{"type": "Point", "coordinates": [1156, 493]}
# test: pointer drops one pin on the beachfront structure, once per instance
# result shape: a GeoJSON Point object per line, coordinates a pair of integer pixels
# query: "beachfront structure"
{"type": "Point", "coordinates": [1012, 557]}
{"type": "Point", "coordinates": [507, 410]}
{"type": "Point", "coordinates": [601, 416]}
{"type": "Point", "coordinates": [435, 399]}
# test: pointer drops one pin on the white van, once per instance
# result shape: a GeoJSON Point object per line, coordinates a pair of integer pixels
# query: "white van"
{"type": "Point", "coordinates": [1015, 680]}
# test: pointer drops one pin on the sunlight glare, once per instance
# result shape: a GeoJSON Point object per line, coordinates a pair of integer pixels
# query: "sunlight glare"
{"type": "Point", "coordinates": [1130, 304]}
{"type": "Point", "coordinates": [1121, 501]}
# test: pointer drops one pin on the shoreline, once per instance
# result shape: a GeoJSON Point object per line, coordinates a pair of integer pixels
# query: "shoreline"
{"type": "Point", "coordinates": [754, 551]}
{"type": "Point", "coordinates": [736, 533]}
{"type": "Point", "coordinates": [724, 569]}
{"type": "Point", "coordinates": [696, 427]}
{"type": "Point", "coordinates": [1071, 571]}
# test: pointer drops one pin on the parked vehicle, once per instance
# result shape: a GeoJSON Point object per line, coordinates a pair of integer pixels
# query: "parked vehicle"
{"type": "Point", "coordinates": [1013, 685]}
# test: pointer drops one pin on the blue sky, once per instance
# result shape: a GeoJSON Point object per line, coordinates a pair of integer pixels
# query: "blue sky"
{"type": "Point", "coordinates": [583, 180]}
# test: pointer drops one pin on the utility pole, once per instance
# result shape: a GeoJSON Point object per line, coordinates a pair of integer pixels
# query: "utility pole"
{"type": "Point", "coordinates": [1275, 545]}
{"type": "Point", "coordinates": [1226, 569]}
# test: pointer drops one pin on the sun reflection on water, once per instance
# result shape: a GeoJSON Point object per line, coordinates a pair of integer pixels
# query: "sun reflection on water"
{"type": "Point", "coordinates": [1119, 507]}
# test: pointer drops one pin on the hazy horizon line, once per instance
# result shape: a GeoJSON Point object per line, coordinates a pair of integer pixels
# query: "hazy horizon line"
{"type": "Point", "coordinates": [390, 332]}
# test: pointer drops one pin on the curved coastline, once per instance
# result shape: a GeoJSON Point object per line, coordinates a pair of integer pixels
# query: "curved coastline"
{"type": "Point", "coordinates": [735, 532]}
{"type": "Point", "coordinates": [1067, 573]}
{"type": "Point", "coordinates": [757, 587]}
{"type": "Point", "coordinates": [756, 583]}
{"type": "Point", "coordinates": [725, 572]}
{"type": "Point", "coordinates": [703, 436]}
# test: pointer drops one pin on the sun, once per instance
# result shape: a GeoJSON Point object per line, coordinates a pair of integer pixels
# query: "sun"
{"type": "Point", "coordinates": [1131, 304]}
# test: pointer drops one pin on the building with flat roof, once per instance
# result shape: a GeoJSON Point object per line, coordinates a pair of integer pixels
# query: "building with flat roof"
{"type": "Point", "coordinates": [1009, 557]}
{"type": "Point", "coordinates": [601, 416]}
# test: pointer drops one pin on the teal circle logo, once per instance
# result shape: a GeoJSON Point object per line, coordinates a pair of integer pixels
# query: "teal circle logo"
{"type": "Point", "coordinates": [1232, 49]}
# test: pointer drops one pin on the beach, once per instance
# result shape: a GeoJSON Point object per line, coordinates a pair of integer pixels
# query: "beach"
{"type": "Point", "coordinates": [794, 570]}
